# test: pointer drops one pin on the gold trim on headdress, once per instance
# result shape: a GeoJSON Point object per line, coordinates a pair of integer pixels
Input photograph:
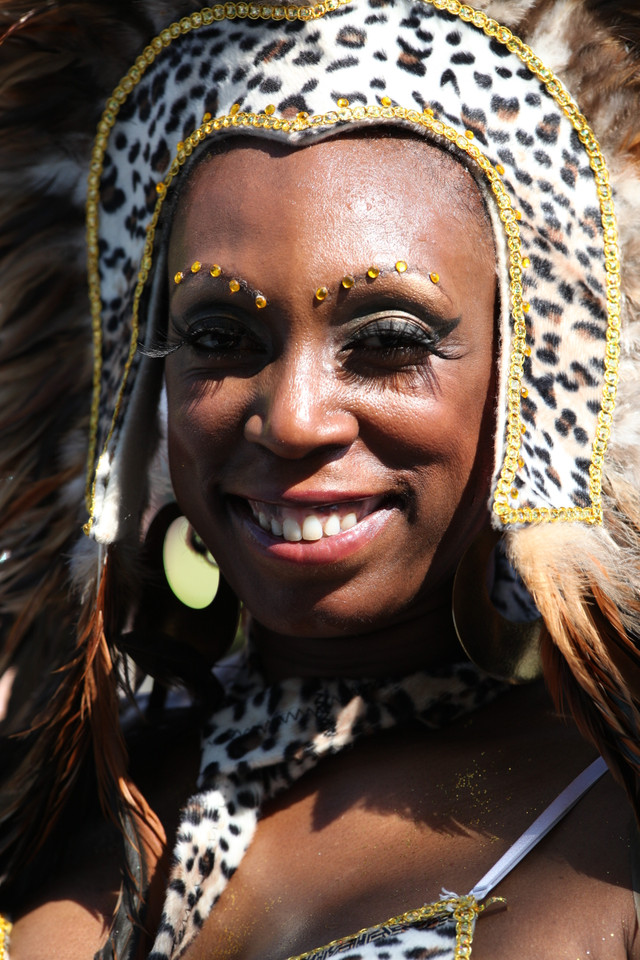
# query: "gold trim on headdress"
{"type": "Point", "coordinates": [506, 492]}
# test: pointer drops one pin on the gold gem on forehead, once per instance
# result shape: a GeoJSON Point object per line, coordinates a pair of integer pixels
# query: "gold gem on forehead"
{"type": "Point", "coordinates": [373, 272]}
{"type": "Point", "coordinates": [196, 266]}
{"type": "Point", "coordinates": [348, 281]}
{"type": "Point", "coordinates": [178, 277]}
{"type": "Point", "coordinates": [260, 301]}
{"type": "Point", "coordinates": [434, 277]}
{"type": "Point", "coordinates": [401, 266]}
{"type": "Point", "coordinates": [234, 286]}
{"type": "Point", "coordinates": [215, 270]}
{"type": "Point", "coordinates": [322, 293]}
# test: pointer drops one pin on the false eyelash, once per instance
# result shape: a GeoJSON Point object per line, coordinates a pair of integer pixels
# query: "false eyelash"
{"type": "Point", "coordinates": [161, 348]}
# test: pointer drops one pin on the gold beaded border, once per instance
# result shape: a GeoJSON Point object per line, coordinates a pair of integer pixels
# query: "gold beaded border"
{"type": "Point", "coordinates": [464, 911]}
{"type": "Point", "coordinates": [201, 18]}
{"type": "Point", "coordinates": [515, 425]}
{"type": "Point", "coordinates": [5, 932]}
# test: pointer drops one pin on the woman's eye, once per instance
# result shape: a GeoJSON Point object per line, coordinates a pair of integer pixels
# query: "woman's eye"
{"type": "Point", "coordinates": [226, 339]}
{"type": "Point", "coordinates": [393, 339]}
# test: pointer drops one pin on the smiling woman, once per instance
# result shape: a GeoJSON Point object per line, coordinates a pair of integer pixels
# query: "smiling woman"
{"type": "Point", "coordinates": [363, 304]}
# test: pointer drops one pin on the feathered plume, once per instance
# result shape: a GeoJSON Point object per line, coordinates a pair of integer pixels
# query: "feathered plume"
{"type": "Point", "coordinates": [58, 63]}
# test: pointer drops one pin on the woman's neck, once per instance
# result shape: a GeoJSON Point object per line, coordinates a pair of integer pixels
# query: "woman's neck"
{"type": "Point", "coordinates": [424, 641]}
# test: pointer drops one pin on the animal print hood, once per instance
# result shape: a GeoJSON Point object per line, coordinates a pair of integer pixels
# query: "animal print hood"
{"type": "Point", "coordinates": [467, 83]}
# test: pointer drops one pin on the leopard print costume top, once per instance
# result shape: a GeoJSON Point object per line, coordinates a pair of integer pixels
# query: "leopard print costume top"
{"type": "Point", "coordinates": [259, 743]}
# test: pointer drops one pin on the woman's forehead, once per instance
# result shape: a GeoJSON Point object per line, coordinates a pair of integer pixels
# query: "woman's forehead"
{"type": "Point", "coordinates": [400, 184]}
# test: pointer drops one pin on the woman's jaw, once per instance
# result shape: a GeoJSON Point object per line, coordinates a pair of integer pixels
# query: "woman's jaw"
{"type": "Point", "coordinates": [335, 451]}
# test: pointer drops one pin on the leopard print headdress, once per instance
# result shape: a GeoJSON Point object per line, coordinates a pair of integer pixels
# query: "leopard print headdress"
{"type": "Point", "coordinates": [464, 81]}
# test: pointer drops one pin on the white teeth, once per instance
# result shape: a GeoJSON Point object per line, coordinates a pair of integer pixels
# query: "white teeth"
{"type": "Point", "coordinates": [276, 527]}
{"type": "Point", "coordinates": [332, 525]}
{"type": "Point", "coordinates": [311, 529]}
{"type": "Point", "coordinates": [328, 521]}
{"type": "Point", "coordinates": [291, 530]}
{"type": "Point", "coordinates": [348, 521]}
{"type": "Point", "coordinates": [263, 520]}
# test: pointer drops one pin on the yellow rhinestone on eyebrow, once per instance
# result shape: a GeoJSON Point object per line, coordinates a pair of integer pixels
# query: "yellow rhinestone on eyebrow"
{"type": "Point", "coordinates": [434, 277]}
{"type": "Point", "coordinates": [261, 301]}
{"type": "Point", "coordinates": [215, 270]}
{"type": "Point", "coordinates": [234, 286]}
{"type": "Point", "coordinates": [196, 266]}
{"type": "Point", "coordinates": [401, 266]}
{"type": "Point", "coordinates": [348, 281]}
{"type": "Point", "coordinates": [179, 277]}
{"type": "Point", "coordinates": [322, 293]}
{"type": "Point", "coordinates": [373, 272]}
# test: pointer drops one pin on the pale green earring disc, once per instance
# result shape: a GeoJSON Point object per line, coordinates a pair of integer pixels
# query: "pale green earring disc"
{"type": "Point", "coordinates": [192, 577]}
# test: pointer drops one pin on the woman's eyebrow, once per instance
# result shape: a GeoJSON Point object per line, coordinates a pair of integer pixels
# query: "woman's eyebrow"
{"type": "Point", "coordinates": [231, 282]}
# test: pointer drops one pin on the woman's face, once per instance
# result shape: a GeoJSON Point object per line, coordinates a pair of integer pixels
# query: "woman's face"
{"type": "Point", "coordinates": [361, 422]}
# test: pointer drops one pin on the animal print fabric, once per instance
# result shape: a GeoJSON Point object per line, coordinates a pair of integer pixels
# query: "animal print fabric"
{"type": "Point", "coordinates": [260, 742]}
{"type": "Point", "coordinates": [419, 57]}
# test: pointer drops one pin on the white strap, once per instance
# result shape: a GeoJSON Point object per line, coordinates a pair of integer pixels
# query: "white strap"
{"type": "Point", "coordinates": [540, 828]}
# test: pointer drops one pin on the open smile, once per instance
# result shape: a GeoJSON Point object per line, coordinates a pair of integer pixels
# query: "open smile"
{"type": "Point", "coordinates": [314, 533]}
{"type": "Point", "coordinates": [295, 524]}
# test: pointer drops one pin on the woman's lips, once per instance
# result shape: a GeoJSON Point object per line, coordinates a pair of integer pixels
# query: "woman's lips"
{"type": "Point", "coordinates": [304, 534]}
{"type": "Point", "coordinates": [311, 523]}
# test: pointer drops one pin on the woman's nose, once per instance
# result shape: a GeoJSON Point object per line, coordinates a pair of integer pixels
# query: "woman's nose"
{"type": "Point", "coordinates": [301, 409]}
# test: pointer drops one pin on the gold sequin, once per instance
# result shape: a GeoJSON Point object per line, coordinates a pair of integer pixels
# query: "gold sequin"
{"type": "Point", "coordinates": [270, 110]}
{"type": "Point", "coordinates": [322, 293]}
{"type": "Point", "coordinates": [215, 270]}
{"type": "Point", "coordinates": [348, 281]}
{"type": "Point", "coordinates": [234, 286]}
{"type": "Point", "coordinates": [526, 262]}
{"type": "Point", "coordinates": [343, 102]}
{"type": "Point", "coordinates": [469, 134]}
{"type": "Point", "coordinates": [386, 101]}
{"type": "Point", "coordinates": [401, 266]}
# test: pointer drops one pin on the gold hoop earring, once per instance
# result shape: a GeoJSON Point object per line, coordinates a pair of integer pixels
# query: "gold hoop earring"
{"type": "Point", "coordinates": [506, 649]}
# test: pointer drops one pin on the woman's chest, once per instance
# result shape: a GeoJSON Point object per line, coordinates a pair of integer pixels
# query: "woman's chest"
{"type": "Point", "coordinates": [382, 829]}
